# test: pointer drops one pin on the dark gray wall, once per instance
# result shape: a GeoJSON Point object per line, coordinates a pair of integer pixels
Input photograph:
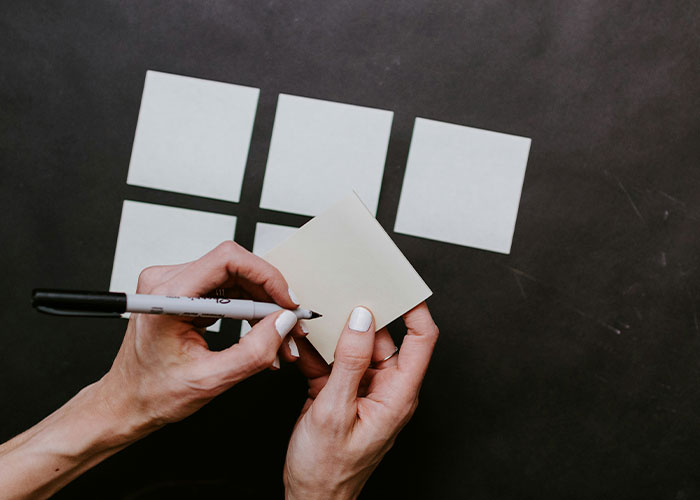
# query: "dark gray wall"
{"type": "Point", "coordinates": [566, 369]}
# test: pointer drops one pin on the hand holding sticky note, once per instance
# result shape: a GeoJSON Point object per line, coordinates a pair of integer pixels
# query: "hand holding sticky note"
{"type": "Point", "coordinates": [341, 259]}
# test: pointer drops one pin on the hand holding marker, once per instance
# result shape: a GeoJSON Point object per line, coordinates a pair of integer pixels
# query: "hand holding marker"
{"type": "Point", "coordinates": [113, 304]}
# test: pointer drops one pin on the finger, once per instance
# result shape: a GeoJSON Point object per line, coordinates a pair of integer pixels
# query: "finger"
{"type": "Point", "coordinates": [417, 346]}
{"type": "Point", "coordinates": [384, 350]}
{"type": "Point", "coordinates": [311, 364]}
{"type": "Point", "coordinates": [225, 263]}
{"type": "Point", "coordinates": [247, 326]}
{"type": "Point", "coordinates": [289, 351]}
{"type": "Point", "coordinates": [352, 357]}
{"type": "Point", "coordinates": [301, 329]}
{"type": "Point", "coordinates": [255, 352]}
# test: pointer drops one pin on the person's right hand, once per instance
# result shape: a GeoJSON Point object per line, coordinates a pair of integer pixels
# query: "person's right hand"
{"type": "Point", "coordinates": [354, 412]}
{"type": "Point", "coordinates": [164, 370]}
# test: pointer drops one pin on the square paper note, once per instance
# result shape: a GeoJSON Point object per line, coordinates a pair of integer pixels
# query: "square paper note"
{"type": "Point", "coordinates": [192, 136]}
{"type": "Point", "coordinates": [342, 259]}
{"type": "Point", "coordinates": [322, 149]}
{"type": "Point", "coordinates": [152, 235]}
{"type": "Point", "coordinates": [462, 185]}
{"type": "Point", "coordinates": [268, 236]}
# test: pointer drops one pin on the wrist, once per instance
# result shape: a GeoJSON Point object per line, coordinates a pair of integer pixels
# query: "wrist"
{"type": "Point", "coordinates": [124, 419]}
{"type": "Point", "coordinates": [321, 494]}
{"type": "Point", "coordinates": [323, 490]}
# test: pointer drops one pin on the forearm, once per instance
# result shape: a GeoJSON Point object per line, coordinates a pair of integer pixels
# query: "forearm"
{"type": "Point", "coordinates": [86, 430]}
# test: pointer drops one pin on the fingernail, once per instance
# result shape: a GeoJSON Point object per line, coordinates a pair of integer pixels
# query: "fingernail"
{"type": "Point", "coordinates": [360, 319]}
{"type": "Point", "coordinates": [292, 296]}
{"type": "Point", "coordinates": [285, 322]}
{"type": "Point", "coordinates": [293, 349]}
{"type": "Point", "coordinates": [276, 362]}
{"type": "Point", "coordinates": [303, 327]}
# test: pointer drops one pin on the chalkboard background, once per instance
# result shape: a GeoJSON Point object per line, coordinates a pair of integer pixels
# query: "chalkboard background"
{"type": "Point", "coordinates": [567, 369]}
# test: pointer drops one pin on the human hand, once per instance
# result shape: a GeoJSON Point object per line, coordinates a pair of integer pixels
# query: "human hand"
{"type": "Point", "coordinates": [164, 370]}
{"type": "Point", "coordinates": [355, 411]}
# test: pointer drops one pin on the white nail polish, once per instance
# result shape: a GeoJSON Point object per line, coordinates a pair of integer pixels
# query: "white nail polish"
{"type": "Point", "coordinates": [360, 319]}
{"type": "Point", "coordinates": [292, 296]}
{"type": "Point", "coordinates": [276, 362]}
{"type": "Point", "coordinates": [303, 327]}
{"type": "Point", "coordinates": [285, 322]}
{"type": "Point", "coordinates": [293, 349]}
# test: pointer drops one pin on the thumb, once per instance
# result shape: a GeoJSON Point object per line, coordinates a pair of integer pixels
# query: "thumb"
{"type": "Point", "coordinates": [256, 351]}
{"type": "Point", "coordinates": [352, 357]}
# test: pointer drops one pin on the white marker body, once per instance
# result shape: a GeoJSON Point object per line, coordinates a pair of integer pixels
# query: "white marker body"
{"type": "Point", "coordinates": [204, 307]}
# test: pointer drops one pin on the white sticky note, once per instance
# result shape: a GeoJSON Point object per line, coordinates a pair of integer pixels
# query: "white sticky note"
{"type": "Point", "coordinates": [267, 237]}
{"type": "Point", "coordinates": [341, 259]}
{"type": "Point", "coordinates": [152, 235]}
{"type": "Point", "coordinates": [320, 150]}
{"type": "Point", "coordinates": [462, 185]}
{"type": "Point", "coordinates": [192, 136]}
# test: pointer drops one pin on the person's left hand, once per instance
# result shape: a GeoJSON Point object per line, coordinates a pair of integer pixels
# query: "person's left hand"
{"type": "Point", "coordinates": [355, 410]}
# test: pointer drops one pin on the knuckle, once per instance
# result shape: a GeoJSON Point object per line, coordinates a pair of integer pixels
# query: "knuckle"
{"type": "Point", "coordinates": [148, 279]}
{"type": "Point", "coordinates": [352, 360]}
{"type": "Point", "coordinates": [228, 247]}
{"type": "Point", "coordinates": [264, 271]}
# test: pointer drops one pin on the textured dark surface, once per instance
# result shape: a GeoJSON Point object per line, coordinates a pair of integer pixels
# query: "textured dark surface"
{"type": "Point", "coordinates": [568, 369]}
